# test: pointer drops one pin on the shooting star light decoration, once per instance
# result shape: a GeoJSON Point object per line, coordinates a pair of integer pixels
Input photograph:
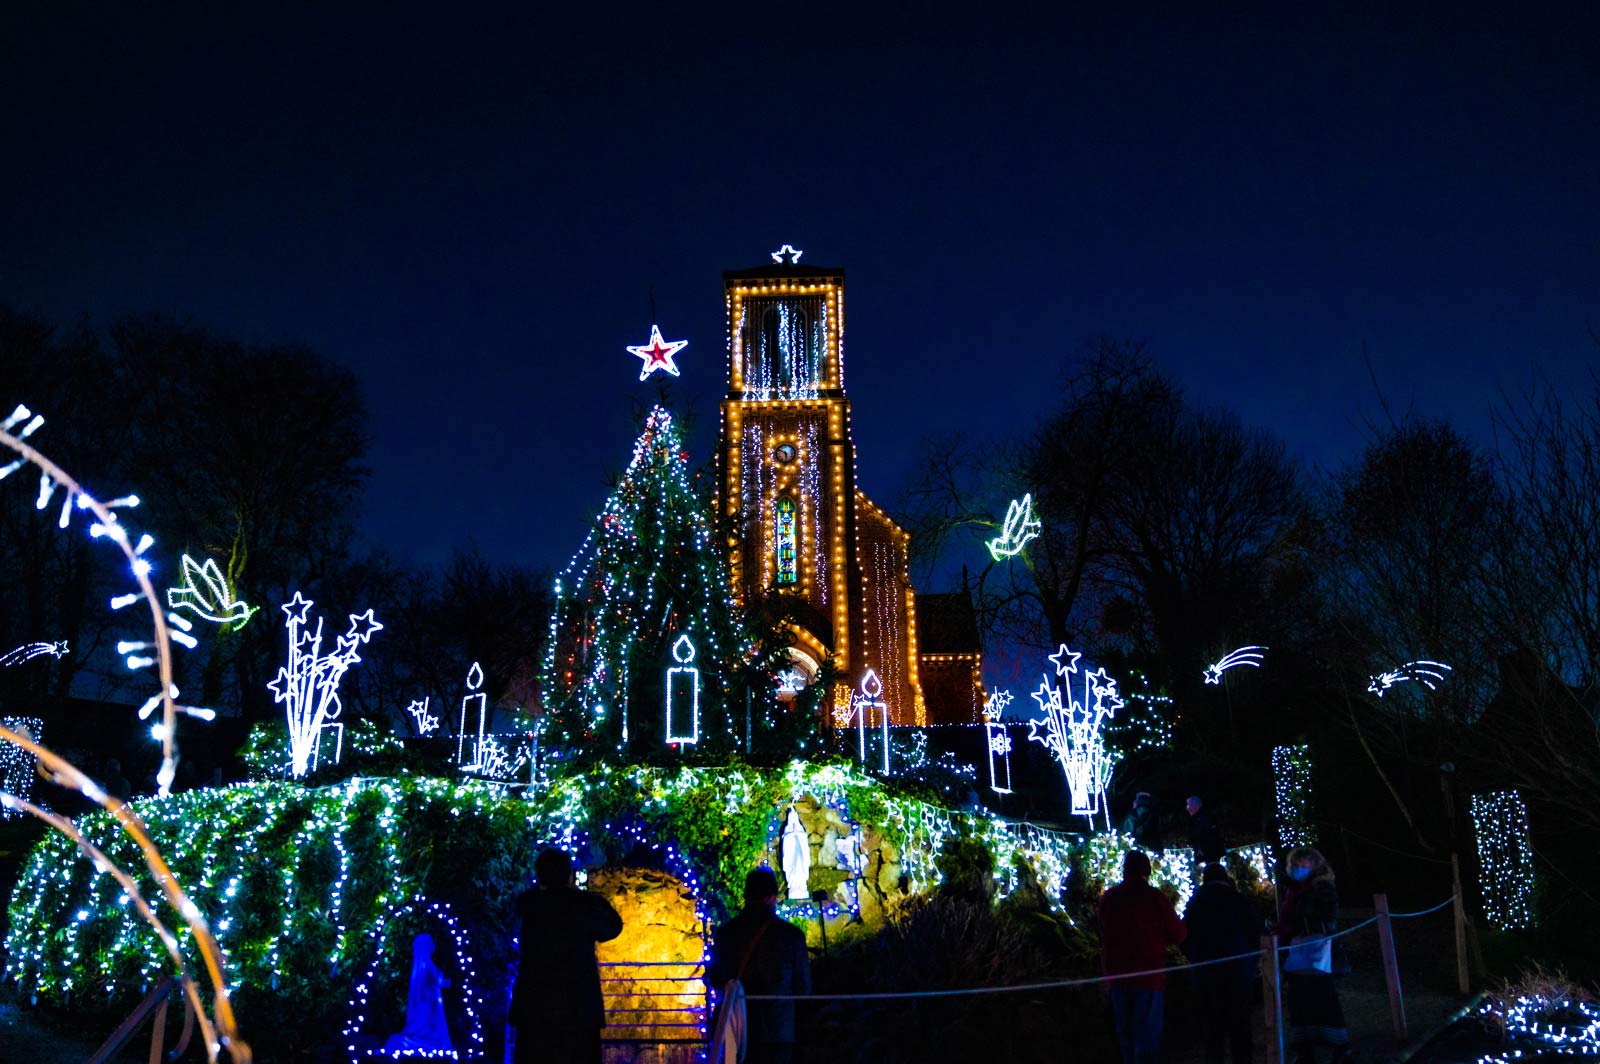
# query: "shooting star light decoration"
{"type": "Point", "coordinates": [1427, 673]}
{"type": "Point", "coordinates": [205, 593]}
{"type": "Point", "coordinates": [1252, 656]}
{"type": "Point", "coordinates": [29, 651]}
{"type": "Point", "coordinates": [1021, 528]}
{"type": "Point", "coordinates": [999, 743]}
{"type": "Point", "coordinates": [309, 684]}
{"type": "Point", "coordinates": [1071, 731]}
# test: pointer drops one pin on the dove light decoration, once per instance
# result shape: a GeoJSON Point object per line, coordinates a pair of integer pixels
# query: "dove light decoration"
{"type": "Point", "coordinates": [999, 743]}
{"type": "Point", "coordinates": [1427, 673]}
{"type": "Point", "coordinates": [1252, 656]}
{"type": "Point", "coordinates": [205, 593]}
{"type": "Point", "coordinates": [308, 685]}
{"type": "Point", "coordinates": [1021, 528]}
{"type": "Point", "coordinates": [1070, 730]}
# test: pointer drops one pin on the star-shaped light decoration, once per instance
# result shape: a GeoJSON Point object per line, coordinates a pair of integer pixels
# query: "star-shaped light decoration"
{"type": "Point", "coordinates": [657, 354]}
{"type": "Point", "coordinates": [1065, 661]}
{"type": "Point", "coordinates": [793, 253]}
{"type": "Point", "coordinates": [362, 625]}
{"type": "Point", "coordinates": [297, 608]}
{"type": "Point", "coordinates": [427, 723]}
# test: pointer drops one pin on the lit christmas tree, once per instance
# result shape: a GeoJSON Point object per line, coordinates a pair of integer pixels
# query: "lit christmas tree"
{"type": "Point", "coordinates": [648, 573]}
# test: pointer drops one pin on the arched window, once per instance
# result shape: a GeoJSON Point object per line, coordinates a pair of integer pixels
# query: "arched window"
{"type": "Point", "coordinates": [783, 540]}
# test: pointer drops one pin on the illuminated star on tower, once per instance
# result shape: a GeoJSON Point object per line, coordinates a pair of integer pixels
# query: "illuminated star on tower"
{"type": "Point", "coordinates": [793, 253]}
{"type": "Point", "coordinates": [657, 354]}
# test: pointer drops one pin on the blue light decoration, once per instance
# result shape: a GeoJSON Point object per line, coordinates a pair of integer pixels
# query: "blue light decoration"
{"type": "Point", "coordinates": [849, 856]}
{"type": "Point", "coordinates": [1071, 732]}
{"type": "Point", "coordinates": [783, 537]}
{"type": "Point", "coordinates": [657, 354]}
{"type": "Point", "coordinates": [1251, 656]}
{"type": "Point", "coordinates": [470, 998]}
{"type": "Point", "coordinates": [1427, 673]}
{"type": "Point", "coordinates": [999, 742]}
{"type": "Point", "coordinates": [1542, 1027]}
{"type": "Point", "coordinates": [1021, 528]}
{"type": "Point", "coordinates": [1505, 860]}
{"type": "Point", "coordinates": [683, 685]}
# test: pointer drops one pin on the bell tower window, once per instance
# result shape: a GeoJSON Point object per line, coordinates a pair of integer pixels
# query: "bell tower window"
{"type": "Point", "coordinates": [783, 540]}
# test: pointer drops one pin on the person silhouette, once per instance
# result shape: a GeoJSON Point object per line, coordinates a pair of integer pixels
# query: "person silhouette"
{"type": "Point", "coordinates": [556, 1006]}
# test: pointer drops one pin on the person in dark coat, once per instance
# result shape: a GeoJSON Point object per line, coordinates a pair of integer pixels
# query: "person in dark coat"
{"type": "Point", "coordinates": [1204, 838]}
{"type": "Point", "coordinates": [1222, 923]}
{"type": "Point", "coordinates": [1140, 823]}
{"type": "Point", "coordinates": [556, 1005]}
{"type": "Point", "coordinates": [1137, 924]}
{"type": "Point", "coordinates": [767, 954]}
{"type": "Point", "coordinates": [1310, 907]}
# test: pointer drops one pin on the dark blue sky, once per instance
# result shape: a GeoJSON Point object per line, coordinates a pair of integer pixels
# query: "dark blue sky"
{"type": "Point", "coordinates": [471, 209]}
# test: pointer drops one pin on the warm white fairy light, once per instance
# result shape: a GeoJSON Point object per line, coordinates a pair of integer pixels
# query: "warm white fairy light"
{"type": "Point", "coordinates": [1020, 529]}
{"type": "Point", "coordinates": [308, 686]}
{"type": "Point", "coordinates": [205, 592]}
{"type": "Point", "coordinates": [1428, 673]}
{"type": "Point", "coordinates": [1252, 656]}
{"type": "Point", "coordinates": [683, 695]}
{"type": "Point", "coordinates": [1071, 731]}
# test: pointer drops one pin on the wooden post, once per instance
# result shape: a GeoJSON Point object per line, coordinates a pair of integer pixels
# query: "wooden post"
{"type": "Point", "coordinates": [1463, 983]}
{"type": "Point", "coordinates": [1391, 968]}
{"type": "Point", "coordinates": [1272, 998]}
{"type": "Point", "coordinates": [158, 1033]}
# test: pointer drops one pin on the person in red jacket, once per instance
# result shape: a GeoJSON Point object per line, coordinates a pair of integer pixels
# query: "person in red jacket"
{"type": "Point", "coordinates": [1137, 924]}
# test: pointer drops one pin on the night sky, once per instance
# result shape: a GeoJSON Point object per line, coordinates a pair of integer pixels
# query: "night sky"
{"type": "Point", "coordinates": [471, 210]}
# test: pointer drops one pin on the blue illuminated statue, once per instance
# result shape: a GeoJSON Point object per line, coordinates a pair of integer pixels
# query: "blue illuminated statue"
{"type": "Point", "coordinates": [426, 1032]}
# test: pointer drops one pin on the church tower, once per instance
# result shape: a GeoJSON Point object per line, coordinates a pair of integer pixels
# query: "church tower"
{"type": "Point", "coordinates": [800, 527]}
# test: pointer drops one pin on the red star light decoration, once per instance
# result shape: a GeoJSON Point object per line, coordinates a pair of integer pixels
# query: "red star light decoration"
{"type": "Point", "coordinates": [657, 354]}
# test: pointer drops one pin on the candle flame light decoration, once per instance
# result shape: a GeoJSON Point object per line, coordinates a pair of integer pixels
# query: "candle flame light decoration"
{"type": "Point", "coordinates": [1020, 529]}
{"type": "Point", "coordinates": [219, 1031]}
{"type": "Point", "coordinates": [683, 685]}
{"type": "Point", "coordinates": [862, 707]}
{"type": "Point", "coordinates": [1070, 730]}
{"type": "Point", "coordinates": [475, 703]}
{"type": "Point", "coordinates": [1251, 656]}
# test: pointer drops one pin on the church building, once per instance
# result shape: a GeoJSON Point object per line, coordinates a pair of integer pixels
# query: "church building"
{"type": "Point", "coordinates": [800, 525]}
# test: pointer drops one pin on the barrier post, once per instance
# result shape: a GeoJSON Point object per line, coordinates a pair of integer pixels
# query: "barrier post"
{"type": "Point", "coordinates": [158, 1033]}
{"type": "Point", "coordinates": [1391, 967]}
{"type": "Point", "coordinates": [1463, 983]}
{"type": "Point", "coordinates": [1272, 998]}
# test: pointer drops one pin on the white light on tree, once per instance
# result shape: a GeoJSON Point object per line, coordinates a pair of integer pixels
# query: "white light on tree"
{"type": "Point", "coordinates": [1429, 674]}
{"type": "Point", "coordinates": [16, 764]}
{"type": "Point", "coordinates": [1291, 780]}
{"type": "Point", "coordinates": [999, 743]}
{"type": "Point", "coordinates": [205, 593]}
{"type": "Point", "coordinates": [29, 651]}
{"type": "Point", "coordinates": [1020, 529]}
{"type": "Point", "coordinates": [1505, 860]}
{"type": "Point", "coordinates": [683, 695]}
{"type": "Point", "coordinates": [657, 354]}
{"type": "Point", "coordinates": [308, 685]}
{"type": "Point", "coordinates": [1070, 730]}
{"type": "Point", "coordinates": [474, 705]}
{"type": "Point", "coordinates": [1252, 656]}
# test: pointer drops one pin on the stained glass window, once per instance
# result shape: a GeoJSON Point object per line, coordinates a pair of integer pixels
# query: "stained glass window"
{"type": "Point", "coordinates": [783, 538]}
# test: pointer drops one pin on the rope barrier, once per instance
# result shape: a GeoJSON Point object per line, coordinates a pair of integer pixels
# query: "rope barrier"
{"type": "Point", "coordinates": [1423, 912]}
{"type": "Point", "coordinates": [889, 995]}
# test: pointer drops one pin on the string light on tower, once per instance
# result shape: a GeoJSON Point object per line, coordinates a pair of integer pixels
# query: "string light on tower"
{"type": "Point", "coordinates": [683, 686]}
{"type": "Point", "coordinates": [308, 685]}
{"type": "Point", "coordinates": [205, 593]}
{"type": "Point", "coordinates": [1252, 656]}
{"type": "Point", "coordinates": [1428, 673]}
{"type": "Point", "coordinates": [1505, 860]}
{"type": "Point", "coordinates": [1021, 528]}
{"type": "Point", "coordinates": [658, 353]}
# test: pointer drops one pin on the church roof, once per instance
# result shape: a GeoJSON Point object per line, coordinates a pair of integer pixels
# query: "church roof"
{"type": "Point", "coordinates": [782, 272]}
{"type": "Point", "coordinates": [947, 624]}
